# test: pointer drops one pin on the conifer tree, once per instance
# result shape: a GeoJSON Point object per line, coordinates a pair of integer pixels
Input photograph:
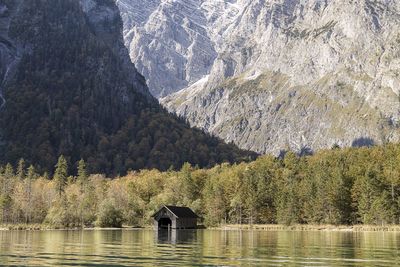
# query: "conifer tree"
{"type": "Point", "coordinates": [9, 171]}
{"type": "Point", "coordinates": [21, 169]}
{"type": "Point", "coordinates": [9, 179]}
{"type": "Point", "coordinates": [82, 172]}
{"type": "Point", "coordinates": [61, 174]}
{"type": "Point", "coordinates": [7, 184]}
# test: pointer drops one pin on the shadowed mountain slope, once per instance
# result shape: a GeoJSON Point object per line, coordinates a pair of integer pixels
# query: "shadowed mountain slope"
{"type": "Point", "coordinates": [74, 91]}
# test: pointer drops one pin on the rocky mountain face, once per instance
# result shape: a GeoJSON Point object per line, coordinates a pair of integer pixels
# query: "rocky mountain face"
{"type": "Point", "coordinates": [68, 87]}
{"type": "Point", "coordinates": [285, 74]}
{"type": "Point", "coordinates": [168, 42]}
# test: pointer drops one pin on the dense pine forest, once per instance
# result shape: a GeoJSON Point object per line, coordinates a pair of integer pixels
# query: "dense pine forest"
{"type": "Point", "coordinates": [84, 98]}
{"type": "Point", "coordinates": [337, 186]}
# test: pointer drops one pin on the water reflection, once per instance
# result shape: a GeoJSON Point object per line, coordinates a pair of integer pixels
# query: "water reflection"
{"type": "Point", "coordinates": [175, 236]}
{"type": "Point", "coordinates": [198, 248]}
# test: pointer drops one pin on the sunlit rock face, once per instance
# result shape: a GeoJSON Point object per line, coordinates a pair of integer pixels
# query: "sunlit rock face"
{"type": "Point", "coordinates": [273, 74]}
{"type": "Point", "coordinates": [169, 42]}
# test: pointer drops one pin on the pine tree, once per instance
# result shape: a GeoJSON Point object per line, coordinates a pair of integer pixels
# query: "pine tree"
{"type": "Point", "coordinates": [31, 175]}
{"type": "Point", "coordinates": [9, 179]}
{"type": "Point", "coordinates": [82, 173]}
{"type": "Point", "coordinates": [61, 174]}
{"type": "Point", "coordinates": [21, 169]}
{"type": "Point", "coordinates": [9, 171]}
{"type": "Point", "coordinates": [7, 186]}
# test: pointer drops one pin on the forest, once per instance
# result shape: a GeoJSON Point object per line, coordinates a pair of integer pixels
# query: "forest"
{"type": "Point", "coordinates": [337, 186]}
{"type": "Point", "coordinates": [61, 102]}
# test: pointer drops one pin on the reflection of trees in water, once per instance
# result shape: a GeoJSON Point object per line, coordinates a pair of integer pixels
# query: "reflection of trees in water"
{"type": "Point", "coordinates": [319, 245]}
{"type": "Point", "coordinates": [202, 247]}
{"type": "Point", "coordinates": [337, 248]}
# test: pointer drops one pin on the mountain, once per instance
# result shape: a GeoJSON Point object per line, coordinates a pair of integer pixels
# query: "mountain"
{"type": "Point", "coordinates": [68, 87]}
{"type": "Point", "coordinates": [168, 42]}
{"type": "Point", "coordinates": [286, 74]}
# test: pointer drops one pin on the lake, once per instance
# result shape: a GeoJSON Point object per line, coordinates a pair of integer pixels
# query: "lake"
{"type": "Point", "coordinates": [198, 248]}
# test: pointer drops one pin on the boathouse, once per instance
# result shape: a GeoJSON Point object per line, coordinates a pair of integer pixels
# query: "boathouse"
{"type": "Point", "coordinates": [172, 217]}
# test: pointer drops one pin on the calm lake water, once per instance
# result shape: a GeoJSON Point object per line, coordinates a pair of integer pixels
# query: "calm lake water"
{"type": "Point", "coordinates": [198, 248]}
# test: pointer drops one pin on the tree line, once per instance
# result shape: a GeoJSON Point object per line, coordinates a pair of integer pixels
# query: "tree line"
{"type": "Point", "coordinates": [337, 186]}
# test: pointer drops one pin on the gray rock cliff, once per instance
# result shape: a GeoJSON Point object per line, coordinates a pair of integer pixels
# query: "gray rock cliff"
{"type": "Point", "coordinates": [284, 74]}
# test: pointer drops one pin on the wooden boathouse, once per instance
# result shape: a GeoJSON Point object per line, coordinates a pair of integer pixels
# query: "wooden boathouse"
{"type": "Point", "coordinates": [173, 217]}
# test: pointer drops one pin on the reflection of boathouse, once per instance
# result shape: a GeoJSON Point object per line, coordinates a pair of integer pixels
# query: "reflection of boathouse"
{"type": "Point", "coordinates": [172, 217]}
{"type": "Point", "coordinates": [176, 236]}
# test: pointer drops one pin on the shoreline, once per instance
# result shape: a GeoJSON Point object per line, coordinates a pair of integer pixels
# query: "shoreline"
{"type": "Point", "coordinates": [44, 227]}
{"type": "Point", "coordinates": [310, 227]}
{"type": "Point", "coordinates": [226, 227]}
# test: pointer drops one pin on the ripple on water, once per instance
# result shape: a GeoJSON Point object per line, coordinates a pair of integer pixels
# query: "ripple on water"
{"type": "Point", "coordinates": [198, 248]}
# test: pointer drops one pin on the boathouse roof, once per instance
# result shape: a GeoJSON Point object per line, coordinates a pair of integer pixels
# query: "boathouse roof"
{"type": "Point", "coordinates": [179, 212]}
